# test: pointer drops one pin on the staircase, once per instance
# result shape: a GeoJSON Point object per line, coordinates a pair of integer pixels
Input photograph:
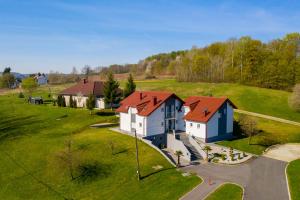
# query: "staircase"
{"type": "Point", "coordinates": [195, 155]}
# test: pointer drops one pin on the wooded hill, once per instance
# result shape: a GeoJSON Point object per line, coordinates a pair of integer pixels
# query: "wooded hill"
{"type": "Point", "coordinates": [275, 64]}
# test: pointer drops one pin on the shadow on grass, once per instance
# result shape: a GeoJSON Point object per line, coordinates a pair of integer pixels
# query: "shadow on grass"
{"type": "Point", "coordinates": [13, 126]}
{"type": "Point", "coordinates": [105, 113]}
{"type": "Point", "coordinates": [92, 171]}
{"type": "Point", "coordinates": [156, 172]}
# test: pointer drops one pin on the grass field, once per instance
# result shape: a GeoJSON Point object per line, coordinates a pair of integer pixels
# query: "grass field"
{"type": "Point", "coordinates": [227, 191]}
{"type": "Point", "coordinates": [294, 179]}
{"type": "Point", "coordinates": [32, 137]}
{"type": "Point", "coordinates": [260, 100]}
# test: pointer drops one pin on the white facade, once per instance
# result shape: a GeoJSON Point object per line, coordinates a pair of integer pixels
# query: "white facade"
{"type": "Point", "coordinates": [81, 101]}
{"type": "Point", "coordinates": [211, 128]}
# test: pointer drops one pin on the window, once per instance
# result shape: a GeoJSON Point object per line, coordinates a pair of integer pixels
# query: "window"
{"type": "Point", "coordinates": [198, 125]}
{"type": "Point", "coordinates": [140, 124]}
{"type": "Point", "coordinates": [191, 124]}
{"type": "Point", "coordinates": [162, 109]}
{"type": "Point", "coordinates": [176, 121]}
{"type": "Point", "coordinates": [162, 124]}
{"type": "Point", "coordinates": [132, 117]}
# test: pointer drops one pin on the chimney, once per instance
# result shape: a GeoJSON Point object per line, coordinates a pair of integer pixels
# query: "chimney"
{"type": "Point", "coordinates": [154, 99]}
{"type": "Point", "coordinates": [85, 81]}
{"type": "Point", "coordinates": [205, 111]}
{"type": "Point", "coordinates": [141, 95]}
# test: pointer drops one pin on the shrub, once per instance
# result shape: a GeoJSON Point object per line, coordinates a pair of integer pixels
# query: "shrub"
{"type": "Point", "coordinates": [223, 156]}
{"type": "Point", "coordinates": [21, 95]}
{"type": "Point", "coordinates": [215, 160]}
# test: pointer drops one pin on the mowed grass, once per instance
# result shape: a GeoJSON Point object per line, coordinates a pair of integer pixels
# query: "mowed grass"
{"type": "Point", "coordinates": [294, 179]}
{"type": "Point", "coordinates": [33, 136]}
{"type": "Point", "coordinates": [254, 99]}
{"type": "Point", "coordinates": [227, 191]}
{"type": "Point", "coordinates": [270, 132]}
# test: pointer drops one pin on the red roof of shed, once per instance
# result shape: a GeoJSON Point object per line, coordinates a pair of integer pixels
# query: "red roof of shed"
{"type": "Point", "coordinates": [145, 102]}
{"type": "Point", "coordinates": [203, 108]}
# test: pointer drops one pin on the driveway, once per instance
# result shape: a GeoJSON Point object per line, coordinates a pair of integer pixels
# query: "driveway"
{"type": "Point", "coordinates": [285, 152]}
{"type": "Point", "coordinates": [262, 178]}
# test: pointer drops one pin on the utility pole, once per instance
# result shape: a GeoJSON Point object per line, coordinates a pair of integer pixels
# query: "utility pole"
{"type": "Point", "coordinates": [137, 157]}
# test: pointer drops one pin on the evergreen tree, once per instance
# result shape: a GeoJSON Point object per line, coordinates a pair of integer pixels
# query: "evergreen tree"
{"type": "Point", "coordinates": [129, 87]}
{"type": "Point", "coordinates": [71, 102]}
{"type": "Point", "coordinates": [59, 100]}
{"type": "Point", "coordinates": [111, 91]}
{"type": "Point", "coordinates": [74, 104]}
{"type": "Point", "coordinates": [63, 102]}
{"type": "Point", "coordinates": [90, 103]}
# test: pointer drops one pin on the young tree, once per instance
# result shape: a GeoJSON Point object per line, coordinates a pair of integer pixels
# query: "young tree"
{"type": "Point", "coordinates": [7, 80]}
{"type": "Point", "coordinates": [90, 103]}
{"type": "Point", "coordinates": [207, 149]}
{"type": "Point", "coordinates": [111, 91]}
{"type": "Point", "coordinates": [71, 102]}
{"type": "Point", "coordinates": [248, 126]}
{"type": "Point", "coordinates": [29, 84]}
{"type": "Point", "coordinates": [294, 100]}
{"type": "Point", "coordinates": [129, 87]}
{"type": "Point", "coordinates": [62, 101]}
{"type": "Point", "coordinates": [178, 154]}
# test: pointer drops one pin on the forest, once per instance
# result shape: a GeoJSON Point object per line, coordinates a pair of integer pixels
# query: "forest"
{"type": "Point", "coordinates": [275, 64]}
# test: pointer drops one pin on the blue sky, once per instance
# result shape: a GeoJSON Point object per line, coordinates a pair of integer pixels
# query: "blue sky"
{"type": "Point", "coordinates": [41, 35]}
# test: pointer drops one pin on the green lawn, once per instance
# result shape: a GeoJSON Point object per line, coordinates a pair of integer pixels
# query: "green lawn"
{"type": "Point", "coordinates": [294, 179]}
{"type": "Point", "coordinates": [227, 191]}
{"type": "Point", "coordinates": [32, 137]}
{"type": "Point", "coordinates": [271, 132]}
{"type": "Point", "coordinates": [260, 100]}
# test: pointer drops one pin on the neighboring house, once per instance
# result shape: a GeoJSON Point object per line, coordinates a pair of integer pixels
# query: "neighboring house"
{"type": "Point", "coordinates": [81, 91]}
{"type": "Point", "coordinates": [209, 118]}
{"type": "Point", "coordinates": [41, 79]}
{"type": "Point", "coordinates": [154, 114]}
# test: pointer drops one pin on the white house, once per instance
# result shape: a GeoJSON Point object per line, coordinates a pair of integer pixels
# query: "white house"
{"type": "Point", "coordinates": [154, 114]}
{"type": "Point", "coordinates": [209, 118]}
{"type": "Point", "coordinates": [41, 79]}
{"type": "Point", "coordinates": [82, 90]}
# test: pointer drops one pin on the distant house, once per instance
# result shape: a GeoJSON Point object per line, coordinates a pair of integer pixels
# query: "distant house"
{"type": "Point", "coordinates": [82, 90]}
{"type": "Point", "coordinates": [41, 79]}
{"type": "Point", "coordinates": [155, 114]}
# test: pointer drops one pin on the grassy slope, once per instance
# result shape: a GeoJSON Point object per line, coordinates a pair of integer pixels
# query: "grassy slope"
{"type": "Point", "coordinates": [294, 179]}
{"type": "Point", "coordinates": [31, 137]}
{"type": "Point", "coordinates": [227, 191]}
{"type": "Point", "coordinates": [260, 100]}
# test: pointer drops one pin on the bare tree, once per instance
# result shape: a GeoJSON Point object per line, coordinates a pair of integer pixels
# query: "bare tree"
{"type": "Point", "coordinates": [86, 70]}
{"type": "Point", "coordinates": [248, 126]}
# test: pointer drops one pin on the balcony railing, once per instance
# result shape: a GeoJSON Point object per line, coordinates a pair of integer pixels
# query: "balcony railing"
{"type": "Point", "coordinates": [170, 114]}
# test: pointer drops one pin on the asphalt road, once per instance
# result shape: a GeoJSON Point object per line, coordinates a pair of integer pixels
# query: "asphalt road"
{"type": "Point", "coordinates": [262, 179]}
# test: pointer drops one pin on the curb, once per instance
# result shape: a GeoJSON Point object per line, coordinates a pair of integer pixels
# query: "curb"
{"type": "Point", "coordinates": [287, 181]}
{"type": "Point", "coordinates": [193, 188]}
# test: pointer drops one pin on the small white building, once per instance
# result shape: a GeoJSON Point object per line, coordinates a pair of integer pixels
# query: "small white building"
{"type": "Point", "coordinates": [41, 79]}
{"type": "Point", "coordinates": [81, 91]}
{"type": "Point", "coordinates": [154, 114]}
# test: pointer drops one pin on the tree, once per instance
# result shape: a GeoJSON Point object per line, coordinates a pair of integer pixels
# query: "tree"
{"type": "Point", "coordinates": [63, 102]}
{"type": "Point", "coordinates": [129, 87]}
{"type": "Point", "coordinates": [7, 80]}
{"type": "Point", "coordinates": [111, 91]}
{"type": "Point", "coordinates": [294, 100]}
{"type": "Point", "coordinates": [7, 70]}
{"type": "Point", "coordinates": [71, 102]}
{"type": "Point", "coordinates": [75, 103]}
{"type": "Point", "coordinates": [90, 103]}
{"type": "Point", "coordinates": [86, 70]}
{"type": "Point", "coordinates": [207, 149]}
{"type": "Point", "coordinates": [29, 84]}
{"type": "Point", "coordinates": [248, 126]}
{"type": "Point", "coordinates": [178, 154]}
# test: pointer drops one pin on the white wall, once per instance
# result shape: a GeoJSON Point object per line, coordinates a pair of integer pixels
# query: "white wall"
{"type": "Point", "coordinates": [229, 118]}
{"type": "Point", "coordinates": [194, 130]}
{"type": "Point", "coordinates": [154, 122]}
{"type": "Point", "coordinates": [100, 104]}
{"type": "Point", "coordinates": [141, 125]}
{"type": "Point", "coordinates": [125, 122]}
{"type": "Point", "coordinates": [212, 125]}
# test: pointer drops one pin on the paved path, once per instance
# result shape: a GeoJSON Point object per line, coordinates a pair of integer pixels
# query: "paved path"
{"type": "Point", "coordinates": [262, 178]}
{"type": "Point", "coordinates": [267, 117]}
{"type": "Point", "coordinates": [284, 152]}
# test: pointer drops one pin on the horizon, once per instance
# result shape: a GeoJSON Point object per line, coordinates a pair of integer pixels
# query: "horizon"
{"type": "Point", "coordinates": [58, 35]}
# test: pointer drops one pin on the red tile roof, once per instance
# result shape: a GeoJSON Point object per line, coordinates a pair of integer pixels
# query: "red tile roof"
{"type": "Point", "coordinates": [203, 108]}
{"type": "Point", "coordinates": [144, 101]}
{"type": "Point", "coordinates": [85, 88]}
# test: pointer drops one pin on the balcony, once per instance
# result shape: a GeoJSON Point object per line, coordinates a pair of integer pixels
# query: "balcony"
{"type": "Point", "coordinates": [170, 115]}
